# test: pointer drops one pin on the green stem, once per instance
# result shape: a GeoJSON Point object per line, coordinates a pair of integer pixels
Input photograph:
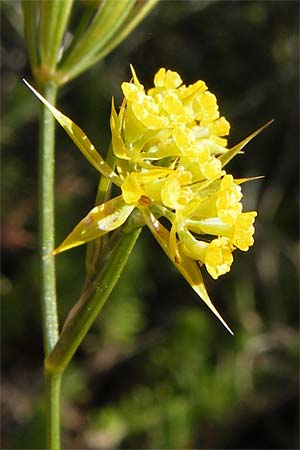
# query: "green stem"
{"type": "Point", "coordinates": [46, 208]}
{"type": "Point", "coordinates": [48, 282]}
{"type": "Point", "coordinates": [53, 385]}
{"type": "Point", "coordinates": [115, 255]}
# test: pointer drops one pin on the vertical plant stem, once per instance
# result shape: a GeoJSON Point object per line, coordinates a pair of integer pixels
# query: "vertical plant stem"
{"type": "Point", "coordinates": [48, 281]}
{"type": "Point", "coordinates": [46, 208]}
{"type": "Point", "coordinates": [53, 385]}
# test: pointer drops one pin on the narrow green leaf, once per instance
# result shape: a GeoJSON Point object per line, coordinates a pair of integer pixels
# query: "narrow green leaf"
{"type": "Point", "coordinates": [30, 30]}
{"type": "Point", "coordinates": [87, 12]}
{"type": "Point", "coordinates": [186, 266]}
{"type": "Point", "coordinates": [80, 139]}
{"type": "Point", "coordinates": [141, 10]}
{"type": "Point", "coordinates": [226, 157]}
{"type": "Point", "coordinates": [106, 22]}
{"type": "Point", "coordinates": [137, 14]}
{"type": "Point", "coordinates": [99, 221]}
{"type": "Point", "coordinates": [54, 15]}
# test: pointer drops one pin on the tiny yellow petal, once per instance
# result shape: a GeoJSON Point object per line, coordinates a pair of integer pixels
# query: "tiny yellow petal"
{"type": "Point", "coordinates": [212, 168]}
{"type": "Point", "coordinates": [182, 139]}
{"type": "Point", "coordinates": [172, 105]}
{"type": "Point", "coordinates": [187, 92]}
{"type": "Point", "coordinates": [206, 108]}
{"type": "Point", "coordinates": [171, 191]}
{"type": "Point", "coordinates": [220, 127]}
{"type": "Point", "coordinates": [131, 92]}
{"type": "Point", "coordinates": [167, 78]}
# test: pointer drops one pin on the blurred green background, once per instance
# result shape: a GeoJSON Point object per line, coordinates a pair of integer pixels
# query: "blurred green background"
{"type": "Point", "coordinates": [157, 370]}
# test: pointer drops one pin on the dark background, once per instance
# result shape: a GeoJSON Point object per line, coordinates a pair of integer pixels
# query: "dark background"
{"type": "Point", "coordinates": [157, 370]}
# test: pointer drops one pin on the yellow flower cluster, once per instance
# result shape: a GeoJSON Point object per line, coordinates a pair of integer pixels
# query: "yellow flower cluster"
{"type": "Point", "coordinates": [168, 142]}
{"type": "Point", "coordinates": [170, 151]}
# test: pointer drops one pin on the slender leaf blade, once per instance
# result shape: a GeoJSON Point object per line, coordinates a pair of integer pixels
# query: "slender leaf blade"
{"type": "Point", "coordinates": [54, 17]}
{"type": "Point", "coordinates": [137, 14]}
{"type": "Point", "coordinates": [30, 32]}
{"type": "Point", "coordinates": [106, 23]}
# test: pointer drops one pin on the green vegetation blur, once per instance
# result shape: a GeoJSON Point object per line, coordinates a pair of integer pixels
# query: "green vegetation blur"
{"type": "Point", "coordinates": [157, 370]}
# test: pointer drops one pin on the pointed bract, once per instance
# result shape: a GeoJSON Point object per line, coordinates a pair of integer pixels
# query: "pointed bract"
{"type": "Point", "coordinates": [230, 154]}
{"type": "Point", "coordinates": [99, 221]}
{"type": "Point", "coordinates": [186, 266]}
{"type": "Point", "coordinates": [80, 139]}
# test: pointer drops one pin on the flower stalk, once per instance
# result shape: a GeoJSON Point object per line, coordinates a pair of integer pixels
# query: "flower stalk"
{"type": "Point", "coordinates": [81, 317]}
{"type": "Point", "coordinates": [46, 211]}
{"type": "Point", "coordinates": [47, 263]}
{"type": "Point", "coordinates": [52, 398]}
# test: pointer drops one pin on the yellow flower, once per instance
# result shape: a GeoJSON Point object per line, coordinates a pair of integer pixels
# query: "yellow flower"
{"type": "Point", "coordinates": [170, 150]}
{"type": "Point", "coordinates": [228, 200]}
{"type": "Point", "coordinates": [218, 256]}
{"type": "Point", "coordinates": [244, 230]}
